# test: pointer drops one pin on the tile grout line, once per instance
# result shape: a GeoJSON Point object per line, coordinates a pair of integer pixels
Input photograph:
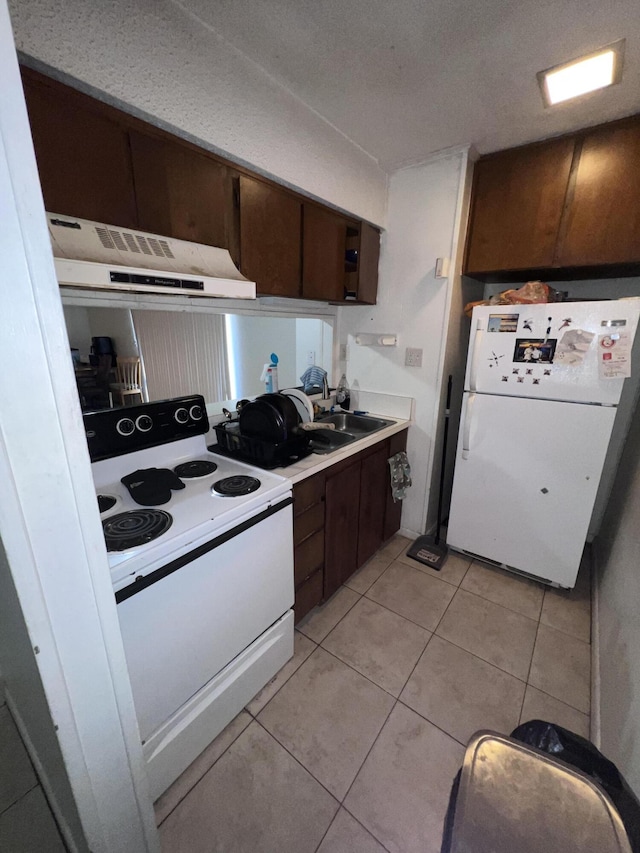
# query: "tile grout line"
{"type": "Point", "coordinates": [195, 784]}
{"type": "Point", "coordinates": [286, 681]}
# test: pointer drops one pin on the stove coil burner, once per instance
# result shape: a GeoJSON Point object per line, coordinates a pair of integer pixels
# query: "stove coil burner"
{"type": "Point", "coordinates": [137, 527]}
{"type": "Point", "coordinates": [195, 468]}
{"type": "Point", "coordinates": [106, 502]}
{"type": "Point", "coordinates": [231, 487]}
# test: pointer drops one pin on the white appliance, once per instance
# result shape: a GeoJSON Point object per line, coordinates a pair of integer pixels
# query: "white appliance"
{"type": "Point", "coordinates": [203, 582]}
{"type": "Point", "coordinates": [545, 413]}
{"type": "Point", "coordinates": [95, 255]}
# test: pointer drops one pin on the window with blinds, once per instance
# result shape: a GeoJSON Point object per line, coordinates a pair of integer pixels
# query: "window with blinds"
{"type": "Point", "coordinates": [183, 353]}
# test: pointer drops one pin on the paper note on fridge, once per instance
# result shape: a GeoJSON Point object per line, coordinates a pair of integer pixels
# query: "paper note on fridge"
{"type": "Point", "coordinates": [572, 347]}
{"type": "Point", "coordinates": [614, 355]}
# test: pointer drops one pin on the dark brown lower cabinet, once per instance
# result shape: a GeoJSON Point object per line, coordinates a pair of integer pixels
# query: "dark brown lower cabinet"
{"type": "Point", "coordinates": [341, 518]}
{"type": "Point", "coordinates": [393, 512]}
{"type": "Point", "coordinates": [341, 526]}
{"type": "Point", "coordinates": [374, 484]}
{"type": "Point", "coordinates": [308, 543]}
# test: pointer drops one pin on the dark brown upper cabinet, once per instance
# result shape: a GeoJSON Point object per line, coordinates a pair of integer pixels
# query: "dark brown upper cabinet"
{"type": "Point", "coordinates": [362, 256]}
{"type": "Point", "coordinates": [517, 203]}
{"type": "Point", "coordinates": [603, 217]}
{"type": "Point", "coordinates": [324, 242]}
{"type": "Point", "coordinates": [83, 156]}
{"type": "Point", "coordinates": [270, 237]}
{"type": "Point", "coordinates": [181, 192]}
{"type": "Point", "coordinates": [97, 162]}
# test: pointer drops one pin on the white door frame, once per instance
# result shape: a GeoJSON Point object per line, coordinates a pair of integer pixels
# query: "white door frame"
{"type": "Point", "coordinates": [49, 520]}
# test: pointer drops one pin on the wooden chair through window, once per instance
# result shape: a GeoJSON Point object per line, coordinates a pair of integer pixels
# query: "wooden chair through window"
{"type": "Point", "coordinates": [129, 380]}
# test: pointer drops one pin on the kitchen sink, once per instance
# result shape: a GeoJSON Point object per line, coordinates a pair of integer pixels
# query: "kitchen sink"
{"type": "Point", "coordinates": [347, 427]}
{"type": "Point", "coordinates": [356, 425]}
{"type": "Point", "coordinates": [328, 440]}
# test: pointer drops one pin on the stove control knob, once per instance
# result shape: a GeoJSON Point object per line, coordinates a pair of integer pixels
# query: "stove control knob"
{"type": "Point", "coordinates": [125, 426]}
{"type": "Point", "coordinates": [144, 423]}
{"type": "Point", "coordinates": [181, 415]}
{"type": "Point", "coordinates": [196, 412]}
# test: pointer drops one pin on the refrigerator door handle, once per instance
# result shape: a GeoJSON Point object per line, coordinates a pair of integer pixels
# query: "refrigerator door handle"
{"type": "Point", "coordinates": [466, 429]}
{"type": "Point", "coordinates": [477, 341]}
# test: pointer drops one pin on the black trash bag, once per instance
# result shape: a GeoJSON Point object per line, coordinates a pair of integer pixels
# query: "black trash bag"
{"type": "Point", "coordinates": [581, 753]}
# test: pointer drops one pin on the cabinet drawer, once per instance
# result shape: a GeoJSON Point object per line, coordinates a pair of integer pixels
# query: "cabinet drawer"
{"type": "Point", "coordinates": [308, 523]}
{"type": "Point", "coordinates": [307, 493]}
{"type": "Point", "coordinates": [308, 556]}
{"type": "Point", "coordinates": [309, 595]}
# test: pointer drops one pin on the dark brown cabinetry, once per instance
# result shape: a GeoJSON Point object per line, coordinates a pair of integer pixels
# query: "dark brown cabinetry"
{"type": "Point", "coordinates": [83, 155]}
{"type": "Point", "coordinates": [341, 518]}
{"type": "Point", "coordinates": [518, 198]}
{"type": "Point", "coordinates": [97, 162]}
{"type": "Point", "coordinates": [341, 526]}
{"type": "Point", "coordinates": [564, 208]}
{"type": "Point", "coordinates": [270, 234]}
{"type": "Point", "coordinates": [374, 486]}
{"type": "Point", "coordinates": [324, 239]}
{"type": "Point", "coordinates": [181, 192]}
{"type": "Point", "coordinates": [603, 219]}
{"type": "Point", "coordinates": [393, 512]}
{"type": "Point", "coordinates": [362, 278]}
{"type": "Point", "coordinates": [308, 543]}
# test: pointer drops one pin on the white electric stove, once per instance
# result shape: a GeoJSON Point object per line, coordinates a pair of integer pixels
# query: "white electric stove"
{"type": "Point", "coordinates": [200, 549]}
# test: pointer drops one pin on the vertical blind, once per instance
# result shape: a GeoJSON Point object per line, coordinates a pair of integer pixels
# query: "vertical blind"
{"type": "Point", "coordinates": [183, 353]}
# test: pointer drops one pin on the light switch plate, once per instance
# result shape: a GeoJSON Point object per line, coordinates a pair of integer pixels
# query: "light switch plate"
{"type": "Point", "coordinates": [413, 357]}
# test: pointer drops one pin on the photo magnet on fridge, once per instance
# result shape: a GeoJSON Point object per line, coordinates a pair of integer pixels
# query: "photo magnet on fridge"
{"type": "Point", "coordinates": [534, 350]}
{"type": "Point", "coordinates": [502, 323]}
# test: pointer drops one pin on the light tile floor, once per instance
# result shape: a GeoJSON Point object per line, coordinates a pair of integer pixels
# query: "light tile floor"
{"type": "Point", "coordinates": [353, 746]}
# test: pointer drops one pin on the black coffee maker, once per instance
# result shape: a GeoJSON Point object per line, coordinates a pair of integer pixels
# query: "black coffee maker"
{"type": "Point", "coordinates": [101, 346]}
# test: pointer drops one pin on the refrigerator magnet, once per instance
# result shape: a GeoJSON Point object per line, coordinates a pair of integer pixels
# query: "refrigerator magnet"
{"type": "Point", "coordinates": [534, 350]}
{"type": "Point", "coordinates": [502, 323]}
{"type": "Point", "coordinates": [573, 346]}
{"type": "Point", "coordinates": [614, 355]}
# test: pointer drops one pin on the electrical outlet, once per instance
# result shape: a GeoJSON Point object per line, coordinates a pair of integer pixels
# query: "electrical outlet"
{"type": "Point", "coordinates": [413, 357]}
{"type": "Point", "coordinates": [344, 352]}
{"type": "Point", "coordinates": [311, 358]}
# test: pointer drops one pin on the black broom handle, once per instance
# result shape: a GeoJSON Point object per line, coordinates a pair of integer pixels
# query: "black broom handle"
{"type": "Point", "coordinates": [444, 457]}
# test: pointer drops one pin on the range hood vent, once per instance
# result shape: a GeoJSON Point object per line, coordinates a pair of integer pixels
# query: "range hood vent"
{"type": "Point", "coordinates": [94, 255]}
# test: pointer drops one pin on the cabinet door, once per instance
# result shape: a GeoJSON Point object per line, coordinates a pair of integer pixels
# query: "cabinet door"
{"type": "Point", "coordinates": [518, 198]}
{"type": "Point", "coordinates": [368, 258]}
{"type": "Point", "coordinates": [393, 512]}
{"type": "Point", "coordinates": [324, 236]}
{"type": "Point", "coordinates": [83, 156]}
{"type": "Point", "coordinates": [374, 483]}
{"type": "Point", "coordinates": [603, 220]}
{"type": "Point", "coordinates": [361, 268]}
{"type": "Point", "coordinates": [180, 192]}
{"type": "Point", "coordinates": [270, 234]}
{"type": "Point", "coordinates": [342, 514]}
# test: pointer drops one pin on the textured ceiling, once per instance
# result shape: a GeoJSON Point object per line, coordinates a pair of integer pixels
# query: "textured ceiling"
{"type": "Point", "coordinates": [406, 78]}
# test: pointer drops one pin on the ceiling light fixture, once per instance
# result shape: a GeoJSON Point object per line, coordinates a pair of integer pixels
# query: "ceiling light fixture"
{"type": "Point", "coordinates": [597, 70]}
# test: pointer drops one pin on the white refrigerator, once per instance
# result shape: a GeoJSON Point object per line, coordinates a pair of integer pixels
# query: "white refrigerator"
{"type": "Point", "coordinates": [549, 393]}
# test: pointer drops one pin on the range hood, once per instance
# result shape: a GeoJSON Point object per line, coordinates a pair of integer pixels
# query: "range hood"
{"type": "Point", "coordinates": [94, 255]}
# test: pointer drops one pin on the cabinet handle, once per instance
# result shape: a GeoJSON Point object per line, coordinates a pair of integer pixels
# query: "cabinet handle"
{"type": "Point", "coordinates": [466, 430]}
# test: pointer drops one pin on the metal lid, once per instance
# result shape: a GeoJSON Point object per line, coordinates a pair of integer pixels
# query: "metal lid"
{"type": "Point", "coordinates": [512, 797]}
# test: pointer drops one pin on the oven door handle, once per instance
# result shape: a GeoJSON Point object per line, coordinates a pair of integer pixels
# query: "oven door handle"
{"type": "Point", "coordinates": [143, 581]}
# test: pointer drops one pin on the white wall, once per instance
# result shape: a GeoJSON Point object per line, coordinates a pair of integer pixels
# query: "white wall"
{"type": "Point", "coordinates": [425, 207]}
{"type": "Point", "coordinates": [151, 55]}
{"type": "Point", "coordinates": [618, 556]}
